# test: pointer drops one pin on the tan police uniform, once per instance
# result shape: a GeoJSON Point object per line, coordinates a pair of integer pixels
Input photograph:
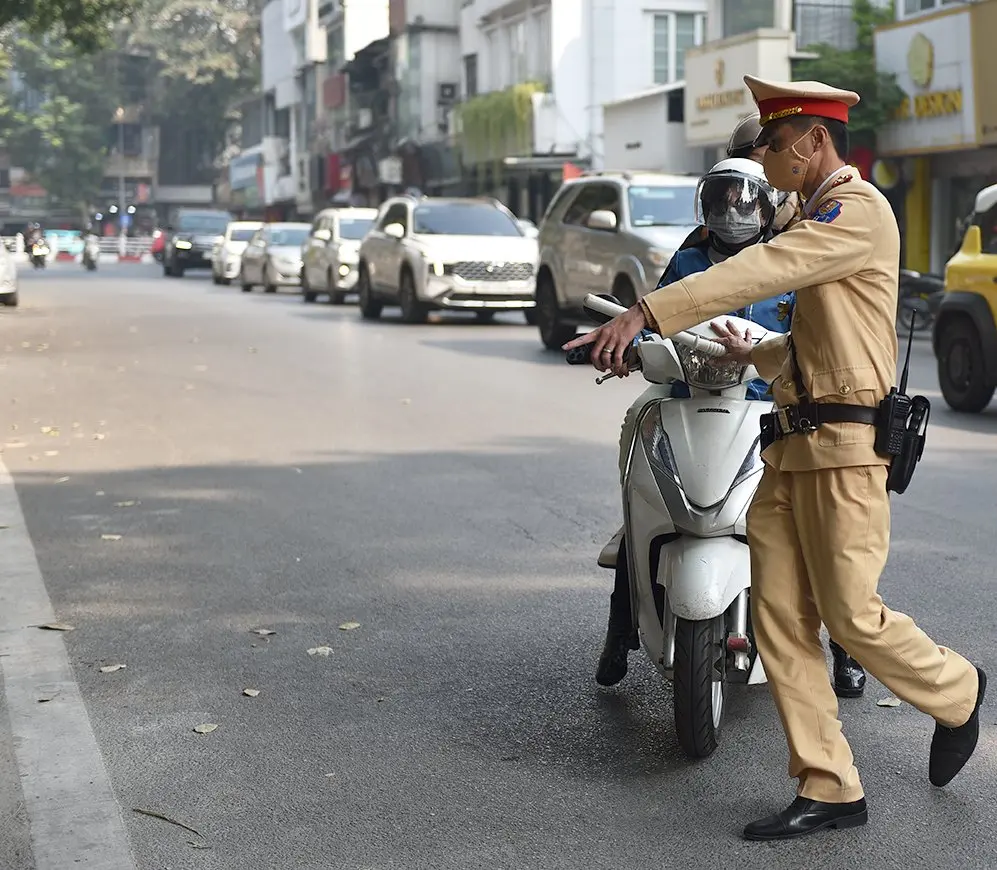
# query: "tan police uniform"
{"type": "Point", "coordinates": [819, 525]}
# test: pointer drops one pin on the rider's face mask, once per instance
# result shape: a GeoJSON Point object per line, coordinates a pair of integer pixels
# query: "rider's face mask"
{"type": "Point", "coordinates": [733, 227]}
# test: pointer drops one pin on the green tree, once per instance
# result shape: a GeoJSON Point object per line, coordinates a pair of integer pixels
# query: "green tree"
{"type": "Point", "coordinates": [84, 23]}
{"type": "Point", "coordinates": [55, 110]}
{"type": "Point", "coordinates": [206, 57]}
{"type": "Point", "coordinates": [855, 70]}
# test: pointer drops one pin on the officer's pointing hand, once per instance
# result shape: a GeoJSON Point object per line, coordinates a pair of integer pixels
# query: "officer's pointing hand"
{"type": "Point", "coordinates": [738, 346]}
{"type": "Point", "coordinates": [611, 340]}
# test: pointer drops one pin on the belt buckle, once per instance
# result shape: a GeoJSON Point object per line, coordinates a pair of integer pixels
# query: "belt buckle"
{"type": "Point", "coordinates": [804, 425]}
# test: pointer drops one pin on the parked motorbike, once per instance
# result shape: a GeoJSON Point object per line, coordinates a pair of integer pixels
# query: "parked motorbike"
{"type": "Point", "coordinates": [39, 254]}
{"type": "Point", "coordinates": [91, 254]}
{"type": "Point", "coordinates": [927, 289]}
{"type": "Point", "coordinates": [692, 471]}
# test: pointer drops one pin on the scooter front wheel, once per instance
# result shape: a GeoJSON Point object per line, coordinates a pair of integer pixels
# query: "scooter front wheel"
{"type": "Point", "coordinates": [699, 690]}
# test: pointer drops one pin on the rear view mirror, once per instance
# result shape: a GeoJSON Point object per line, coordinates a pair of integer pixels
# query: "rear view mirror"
{"type": "Point", "coordinates": [602, 220]}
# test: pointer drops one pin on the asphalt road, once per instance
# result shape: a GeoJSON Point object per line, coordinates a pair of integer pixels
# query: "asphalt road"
{"type": "Point", "coordinates": [273, 465]}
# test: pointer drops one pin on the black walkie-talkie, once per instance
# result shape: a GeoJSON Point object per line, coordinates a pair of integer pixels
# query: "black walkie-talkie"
{"type": "Point", "coordinates": [901, 428]}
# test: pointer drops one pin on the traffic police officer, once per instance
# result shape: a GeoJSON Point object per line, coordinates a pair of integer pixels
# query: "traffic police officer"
{"type": "Point", "coordinates": [819, 525]}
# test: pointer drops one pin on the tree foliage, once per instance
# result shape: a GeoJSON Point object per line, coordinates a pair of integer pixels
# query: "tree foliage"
{"type": "Point", "coordinates": [85, 24]}
{"type": "Point", "coordinates": [205, 59]}
{"type": "Point", "coordinates": [55, 109]}
{"type": "Point", "coordinates": [855, 70]}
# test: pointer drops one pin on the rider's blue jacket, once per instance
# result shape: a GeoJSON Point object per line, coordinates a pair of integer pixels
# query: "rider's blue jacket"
{"type": "Point", "coordinates": [773, 314]}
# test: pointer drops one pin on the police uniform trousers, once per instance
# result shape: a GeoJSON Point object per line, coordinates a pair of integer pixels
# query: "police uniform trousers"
{"type": "Point", "coordinates": [818, 542]}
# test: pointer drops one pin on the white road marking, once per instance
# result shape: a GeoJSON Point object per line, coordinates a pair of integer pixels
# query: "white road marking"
{"type": "Point", "coordinates": [75, 819]}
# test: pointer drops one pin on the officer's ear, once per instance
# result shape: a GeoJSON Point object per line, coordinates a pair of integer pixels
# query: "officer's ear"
{"type": "Point", "coordinates": [821, 137]}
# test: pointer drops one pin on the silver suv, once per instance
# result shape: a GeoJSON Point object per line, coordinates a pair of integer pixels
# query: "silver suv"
{"type": "Point", "coordinates": [425, 253]}
{"type": "Point", "coordinates": [608, 232]}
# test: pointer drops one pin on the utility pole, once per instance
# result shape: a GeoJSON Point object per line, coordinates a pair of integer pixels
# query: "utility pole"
{"type": "Point", "coordinates": [122, 212]}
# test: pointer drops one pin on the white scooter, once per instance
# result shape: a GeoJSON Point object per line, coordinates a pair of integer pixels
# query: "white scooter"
{"type": "Point", "coordinates": [693, 468]}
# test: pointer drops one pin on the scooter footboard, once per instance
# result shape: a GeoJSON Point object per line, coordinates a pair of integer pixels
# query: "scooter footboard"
{"type": "Point", "coordinates": [703, 576]}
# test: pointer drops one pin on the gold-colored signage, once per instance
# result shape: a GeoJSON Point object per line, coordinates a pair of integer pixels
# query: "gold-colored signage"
{"type": "Point", "coordinates": [921, 68]}
{"type": "Point", "coordinates": [935, 104]}
{"type": "Point", "coordinates": [720, 100]}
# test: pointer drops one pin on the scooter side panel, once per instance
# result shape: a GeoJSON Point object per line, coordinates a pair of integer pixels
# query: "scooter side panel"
{"type": "Point", "coordinates": [703, 576]}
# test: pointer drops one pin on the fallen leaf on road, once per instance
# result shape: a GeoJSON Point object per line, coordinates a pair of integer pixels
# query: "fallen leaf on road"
{"type": "Point", "coordinates": [320, 651]}
{"type": "Point", "coordinates": [13, 444]}
{"type": "Point", "coordinates": [51, 452]}
{"type": "Point", "coordinates": [110, 537]}
{"type": "Point", "coordinates": [406, 401]}
{"type": "Point", "coordinates": [297, 470]}
{"type": "Point", "coordinates": [4, 527]}
{"type": "Point", "coordinates": [76, 425]}
{"type": "Point", "coordinates": [99, 436]}
{"type": "Point", "coordinates": [45, 430]}
{"type": "Point", "coordinates": [250, 693]}
{"type": "Point", "coordinates": [329, 774]}
{"type": "Point", "coordinates": [99, 492]}
{"type": "Point", "coordinates": [200, 368]}
{"type": "Point", "coordinates": [41, 347]}
{"type": "Point", "coordinates": [207, 728]}
{"type": "Point", "coordinates": [62, 480]}
{"type": "Point", "coordinates": [197, 845]}
{"type": "Point", "coordinates": [889, 702]}
{"type": "Point", "coordinates": [163, 818]}
{"type": "Point", "coordinates": [262, 632]}
{"type": "Point", "coordinates": [25, 344]}
{"type": "Point", "coordinates": [110, 669]}
{"type": "Point", "coordinates": [57, 626]}
{"type": "Point", "coordinates": [125, 503]}
{"type": "Point", "coordinates": [349, 626]}
{"type": "Point", "coordinates": [252, 350]}
{"type": "Point", "coordinates": [45, 699]}
{"type": "Point", "coordinates": [33, 457]}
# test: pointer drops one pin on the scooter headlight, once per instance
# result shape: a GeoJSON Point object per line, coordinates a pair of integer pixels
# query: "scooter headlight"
{"type": "Point", "coordinates": [708, 372]}
{"type": "Point", "coordinates": [657, 448]}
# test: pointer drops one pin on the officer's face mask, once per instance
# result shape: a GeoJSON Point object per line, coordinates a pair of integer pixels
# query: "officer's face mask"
{"type": "Point", "coordinates": [734, 228]}
{"type": "Point", "coordinates": [787, 169]}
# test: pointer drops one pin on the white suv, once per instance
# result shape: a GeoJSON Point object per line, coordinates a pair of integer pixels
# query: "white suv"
{"type": "Point", "coordinates": [425, 253]}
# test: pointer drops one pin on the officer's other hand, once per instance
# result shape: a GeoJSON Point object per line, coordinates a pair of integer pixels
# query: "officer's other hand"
{"type": "Point", "coordinates": [738, 346]}
{"type": "Point", "coordinates": [611, 341]}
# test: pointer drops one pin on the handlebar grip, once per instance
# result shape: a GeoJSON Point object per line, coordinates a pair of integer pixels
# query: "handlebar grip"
{"type": "Point", "coordinates": [579, 356]}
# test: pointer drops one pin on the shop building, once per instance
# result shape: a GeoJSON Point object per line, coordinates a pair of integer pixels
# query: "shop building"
{"type": "Point", "coordinates": [941, 148]}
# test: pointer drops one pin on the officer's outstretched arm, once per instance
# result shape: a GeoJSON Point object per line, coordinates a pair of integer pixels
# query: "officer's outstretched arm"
{"type": "Point", "coordinates": [806, 255]}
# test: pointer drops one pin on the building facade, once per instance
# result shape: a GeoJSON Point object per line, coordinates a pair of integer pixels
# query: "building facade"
{"type": "Point", "coordinates": [536, 76]}
{"type": "Point", "coordinates": [942, 146]}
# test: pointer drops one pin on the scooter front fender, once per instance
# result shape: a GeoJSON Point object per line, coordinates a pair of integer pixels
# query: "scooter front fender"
{"type": "Point", "coordinates": [703, 576]}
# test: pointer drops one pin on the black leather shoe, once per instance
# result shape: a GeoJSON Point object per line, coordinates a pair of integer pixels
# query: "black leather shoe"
{"type": "Point", "coordinates": [804, 816]}
{"type": "Point", "coordinates": [613, 661]}
{"type": "Point", "coordinates": [951, 748]}
{"type": "Point", "coordinates": [849, 677]}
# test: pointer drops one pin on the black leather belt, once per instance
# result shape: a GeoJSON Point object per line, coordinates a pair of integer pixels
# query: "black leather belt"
{"type": "Point", "coordinates": [808, 416]}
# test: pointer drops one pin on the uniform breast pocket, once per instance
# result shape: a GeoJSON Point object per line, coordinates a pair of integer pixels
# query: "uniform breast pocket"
{"type": "Point", "coordinates": [855, 386]}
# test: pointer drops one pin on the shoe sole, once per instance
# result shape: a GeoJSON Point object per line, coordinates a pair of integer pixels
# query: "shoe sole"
{"type": "Point", "coordinates": [850, 693]}
{"type": "Point", "coordinates": [856, 820]}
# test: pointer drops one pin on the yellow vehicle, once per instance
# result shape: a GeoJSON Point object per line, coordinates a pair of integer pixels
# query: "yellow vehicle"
{"type": "Point", "coordinates": [965, 331]}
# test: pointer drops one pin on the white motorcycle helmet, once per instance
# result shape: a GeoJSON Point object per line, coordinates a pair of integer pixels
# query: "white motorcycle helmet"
{"type": "Point", "coordinates": [736, 204]}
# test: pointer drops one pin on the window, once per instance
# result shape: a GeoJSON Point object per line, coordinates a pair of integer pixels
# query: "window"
{"type": "Point", "coordinates": [660, 206]}
{"type": "Point", "coordinates": [291, 237]}
{"type": "Point", "coordinates": [354, 228]}
{"type": "Point", "coordinates": [517, 51]}
{"type": "Point", "coordinates": [470, 76]}
{"type": "Point", "coordinates": [540, 45]}
{"type": "Point", "coordinates": [593, 197]}
{"type": "Point", "coordinates": [743, 16]}
{"type": "Point", "coordinates": [335, 47]}
{"type": "Point", "coordinates": [674, 32]}
{"type": "Point", "coordinates": [463, 219]}
{"type": "Point", "coordinates": [987, 222]}
{"type": "Point", "coordinates": [241, 235]}
{"type": "Point", "coordinates": [396, 214]}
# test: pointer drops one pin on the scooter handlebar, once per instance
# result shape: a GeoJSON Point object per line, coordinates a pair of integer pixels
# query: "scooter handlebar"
{"type": "Point", "coordinates": [689, 339]}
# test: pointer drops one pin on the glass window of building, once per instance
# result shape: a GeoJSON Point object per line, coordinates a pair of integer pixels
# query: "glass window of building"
{"type": "Point", "coordinates": [743, 16]}
{"type": "Point", "coordinates": [674, 32]}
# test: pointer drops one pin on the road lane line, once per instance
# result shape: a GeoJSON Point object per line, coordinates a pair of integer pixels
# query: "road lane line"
{"type": "Point", "coordinates": [75, 819]}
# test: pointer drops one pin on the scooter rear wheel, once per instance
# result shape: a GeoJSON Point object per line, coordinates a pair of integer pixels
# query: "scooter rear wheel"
{"type": "Point", "coordinates": [700, 687]}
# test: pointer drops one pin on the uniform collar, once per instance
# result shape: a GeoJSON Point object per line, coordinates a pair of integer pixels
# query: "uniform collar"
{"type": "Point", "coordinates": [825, 185]}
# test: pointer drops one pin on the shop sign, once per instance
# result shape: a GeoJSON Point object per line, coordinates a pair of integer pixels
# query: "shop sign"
{"type": "Point", "coordinates": [983, 26]}
{"type": "Point", "coordinates": [716, 97]}
{"type": "Point", "coordinates": [931, 59]}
